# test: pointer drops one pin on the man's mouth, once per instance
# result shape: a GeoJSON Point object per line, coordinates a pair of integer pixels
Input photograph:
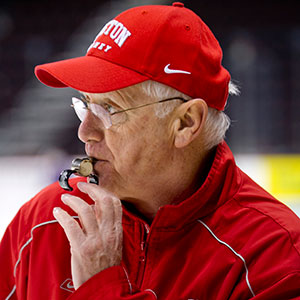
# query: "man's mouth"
{"type": "Point", "coordinates": [97, 165]}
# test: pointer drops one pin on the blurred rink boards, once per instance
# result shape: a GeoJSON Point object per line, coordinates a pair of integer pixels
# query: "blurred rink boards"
{"type": "Point", "coordinates": [22, 177]}
{"type": "Point", "coordinates": [278, 174]}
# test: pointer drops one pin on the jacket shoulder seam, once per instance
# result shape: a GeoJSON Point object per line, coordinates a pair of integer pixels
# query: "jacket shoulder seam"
{"type": "Point", "coordinates": [271, 218]}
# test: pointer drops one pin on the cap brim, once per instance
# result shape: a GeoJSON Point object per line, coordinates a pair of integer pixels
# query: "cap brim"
{"type": "Point", "coordinates": [88, 74]}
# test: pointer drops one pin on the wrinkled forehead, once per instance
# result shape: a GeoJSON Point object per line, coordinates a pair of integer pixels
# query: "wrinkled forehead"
{"type": "Point", "coordinates": [132, 95]}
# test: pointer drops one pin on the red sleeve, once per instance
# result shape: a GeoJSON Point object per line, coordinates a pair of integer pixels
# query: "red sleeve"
{"type": "Point", "coordinates": [111, 283]}
{"type": "Point", "coordinates": [287, 288]}
{"type": "Point", "coordinates": [9, 250]}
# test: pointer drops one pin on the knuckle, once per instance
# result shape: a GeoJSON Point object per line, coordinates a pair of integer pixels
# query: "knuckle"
{"type": "Point", "coordinates": [89, 248]}
{"type": "Point", "coordinates": [117, 201]}
{"type": "Point", "coordinates": [118, 205]}
{"type": "Point", "coordinates": [93, 195]}
{"type": "Point", "coordinates": [107, 199]}
{"type": "Point", "coordinates": [86, 209]}
{"type": "Point", "coordinates": [70, 223]}
{"type": "Point", "coordinates": [86, 251]}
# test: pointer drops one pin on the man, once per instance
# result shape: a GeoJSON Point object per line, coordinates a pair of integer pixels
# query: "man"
{"type": "Point", "coordinates": [173, 217]}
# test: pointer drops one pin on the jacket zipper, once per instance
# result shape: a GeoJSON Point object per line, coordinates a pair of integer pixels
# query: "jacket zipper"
{"type": "Point", "coordinates": [142, 255]}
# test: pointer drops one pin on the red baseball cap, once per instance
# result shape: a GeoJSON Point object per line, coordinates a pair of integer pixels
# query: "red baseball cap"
{"type": "Point", "coordinates": [168, 44]}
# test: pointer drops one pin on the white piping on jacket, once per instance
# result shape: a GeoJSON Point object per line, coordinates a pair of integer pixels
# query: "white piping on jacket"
{"type": "Point", "coordinates": [237, 254]}
{"type": "Point", "coordinates": [129, 283]}
{"type": "Point", "coordinates": [25, 245]}
{"type": "Point", "coordinates": [11, 293]}
{"type": "Point", "coordinates": [30, 240]}
{"type": "Point", "coordinates": [148, 290]}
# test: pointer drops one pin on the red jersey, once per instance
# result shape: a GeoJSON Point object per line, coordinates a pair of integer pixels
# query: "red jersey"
{"type": "Point", "coordinates": [229, 240]}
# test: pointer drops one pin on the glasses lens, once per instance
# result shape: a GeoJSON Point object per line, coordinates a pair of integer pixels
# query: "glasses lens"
{"type": "Point", "coordinates": [80, 108]}
{"type": "Point", "coordinates": [102, 114]}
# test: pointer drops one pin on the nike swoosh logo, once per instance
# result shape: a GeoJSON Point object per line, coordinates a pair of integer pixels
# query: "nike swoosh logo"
{"type": "Point", "coordinates": [173, 71]}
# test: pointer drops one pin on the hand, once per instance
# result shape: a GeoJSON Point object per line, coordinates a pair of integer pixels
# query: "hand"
{"type": "Point", "coordinates": [97, 244]}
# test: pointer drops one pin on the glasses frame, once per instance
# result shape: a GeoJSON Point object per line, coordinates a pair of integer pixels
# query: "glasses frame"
{"type": "Point", "coordinates": [147, 104]}
{"type": "Point", "coordinates": [109, 114]}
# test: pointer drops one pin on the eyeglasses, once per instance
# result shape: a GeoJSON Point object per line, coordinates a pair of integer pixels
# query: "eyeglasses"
{"type": "Point", "coordinates": [107, 113]}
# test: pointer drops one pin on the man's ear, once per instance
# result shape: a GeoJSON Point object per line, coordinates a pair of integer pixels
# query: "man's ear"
{"type": "Point", "coordinates": [189, 121]}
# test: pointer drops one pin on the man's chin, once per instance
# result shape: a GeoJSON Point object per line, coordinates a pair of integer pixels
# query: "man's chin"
{"type": "Point", "coordinates": [106, 180]}
{"type": "Point", "coordinates": [102, 168]}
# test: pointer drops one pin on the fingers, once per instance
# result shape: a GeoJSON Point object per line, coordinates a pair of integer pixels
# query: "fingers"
{"type": "Point", "coordinates": [84, 210]}
{"type": "Point", "coordinates": [105, 215]}
{"type": "Point", "coordinates": [108, 208]}
{"type": "Point", "coordinates": [70, 226]}
{"type": "Point", "coordinates": [118, 225]}
{"type": "Point", "coordinates": [98, 244]}
{"type": "Point", "coordinates": [106, 211]}
{"type": "Point", "coordinates": [118, 213]}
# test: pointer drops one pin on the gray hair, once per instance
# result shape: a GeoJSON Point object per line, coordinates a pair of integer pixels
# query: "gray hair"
{"type": "Point", "coordinates": [217, 122]}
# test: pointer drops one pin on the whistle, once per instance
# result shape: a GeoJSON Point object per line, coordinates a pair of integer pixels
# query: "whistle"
{"type": "Point", "coordinates": [79, 167]}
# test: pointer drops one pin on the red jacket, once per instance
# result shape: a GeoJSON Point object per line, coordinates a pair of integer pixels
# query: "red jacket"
{"type": "Point", "coordinates": [230, 240]}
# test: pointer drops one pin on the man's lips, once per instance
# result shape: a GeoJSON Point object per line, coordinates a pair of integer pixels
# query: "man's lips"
{"type": "Point", "coordinates": [97, 165]}
{"type": "Point", "coordinates": [96, 161]}
{"type": "Point", "coordinates": [95, 158]}
{"type": "Point", "coordinates": [93, 152]}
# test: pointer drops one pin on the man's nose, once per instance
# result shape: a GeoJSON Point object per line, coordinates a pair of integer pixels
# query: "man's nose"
{"type": "Point", "coordinates": [91, 129]}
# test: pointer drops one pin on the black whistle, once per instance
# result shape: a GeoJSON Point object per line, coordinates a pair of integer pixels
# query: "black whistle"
{"type": "Point", "coordinates": [80, 167]}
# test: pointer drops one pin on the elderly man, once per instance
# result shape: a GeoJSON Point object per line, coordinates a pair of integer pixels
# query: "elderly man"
{"type": "Point", "coordinates": [172, 217]}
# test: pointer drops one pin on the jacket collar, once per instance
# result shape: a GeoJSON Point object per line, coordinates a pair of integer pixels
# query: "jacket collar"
{"type": "Point", "coordinates": [220, 185]}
